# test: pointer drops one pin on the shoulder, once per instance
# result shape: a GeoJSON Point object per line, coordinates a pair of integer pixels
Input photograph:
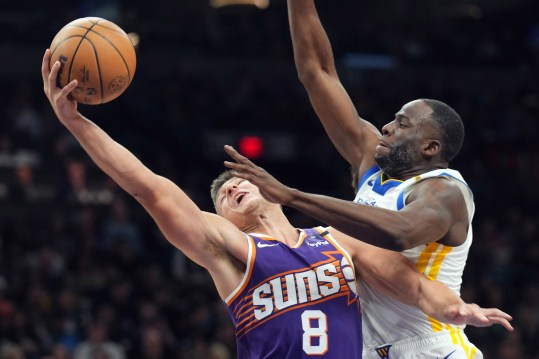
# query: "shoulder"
{"type": "Point", "coordinates": [439, 188]}
{"type": "Point", "coordinates": [226, 239]}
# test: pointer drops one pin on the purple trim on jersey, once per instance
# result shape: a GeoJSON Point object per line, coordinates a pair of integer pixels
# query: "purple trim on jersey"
{"type": "Point", "coordinates": [299, 302]}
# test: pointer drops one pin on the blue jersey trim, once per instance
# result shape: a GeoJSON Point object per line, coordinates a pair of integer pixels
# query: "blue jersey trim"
{"type": "Point", "coordinates": [381, 187]}
{"type": "Point", "coordinates": [367, 174]}
{"type": "Point", "coordinates": [400, 201]}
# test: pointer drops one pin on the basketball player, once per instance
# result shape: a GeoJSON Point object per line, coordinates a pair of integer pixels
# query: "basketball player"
{"type": "Point", "coordinates": [290, 293]}
{"type": "Point", "coordinates": [407, 198]}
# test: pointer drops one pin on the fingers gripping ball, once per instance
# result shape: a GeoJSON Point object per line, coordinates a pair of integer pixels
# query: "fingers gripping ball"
{"type": "Point", "coordinates": [99, 54]}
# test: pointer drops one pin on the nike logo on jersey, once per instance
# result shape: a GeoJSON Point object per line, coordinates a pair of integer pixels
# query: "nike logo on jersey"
{"type": "Point", "coordinates": [262, 245]}
{"type": "Point", "coordinates": [448, 355]}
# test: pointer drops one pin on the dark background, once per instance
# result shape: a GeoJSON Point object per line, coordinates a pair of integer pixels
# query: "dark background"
{"type": "Point", "coordinates": [81, 263]}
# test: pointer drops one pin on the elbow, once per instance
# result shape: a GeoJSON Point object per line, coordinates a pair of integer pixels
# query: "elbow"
{"type": "Point", "coordinates": [404, 238]}
{"type": "Point", "coordinates": [310, 75]}
{"type": "Point", "coordinates": [143, 195]}
{"type": "Point", "coordinates": [144, 192]}
{"type": "Point", "coordinates": [307, 76]}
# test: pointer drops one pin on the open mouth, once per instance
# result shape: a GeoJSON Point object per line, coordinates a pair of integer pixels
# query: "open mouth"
{"type": "Point", "coordinates": [239, 197]}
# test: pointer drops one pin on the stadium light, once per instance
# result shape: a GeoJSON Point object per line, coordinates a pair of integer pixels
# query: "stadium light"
{"type": "Point", "coordinates": [261, 4]}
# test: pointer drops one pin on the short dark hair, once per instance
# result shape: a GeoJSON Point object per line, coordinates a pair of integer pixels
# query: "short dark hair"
{"type": "Point", "coordinates": [218, 183]}
{"type": "Point", "coordinates": [450, 125]}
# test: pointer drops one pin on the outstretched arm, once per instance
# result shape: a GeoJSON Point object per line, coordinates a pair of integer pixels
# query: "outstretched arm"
{"type": "Point", "coordinates": [397, 277]}
{"type": "Point", "coordinates": [198, 234]}
{"type": "Point", "coordinates": [425, 219]}
{"type": "Point", "coordinates": [354, 138]}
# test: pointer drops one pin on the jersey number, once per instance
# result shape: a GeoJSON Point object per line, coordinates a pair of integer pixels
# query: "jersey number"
{"type": "Point", "coordinates": [315, 336]}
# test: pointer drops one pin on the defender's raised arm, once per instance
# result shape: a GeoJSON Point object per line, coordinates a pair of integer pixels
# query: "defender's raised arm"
{"type": "Point", "coordinates": [354, 138]}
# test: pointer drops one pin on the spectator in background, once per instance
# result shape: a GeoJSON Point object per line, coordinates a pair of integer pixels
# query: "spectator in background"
{"type": "Point", "coordinates": [98, 345]}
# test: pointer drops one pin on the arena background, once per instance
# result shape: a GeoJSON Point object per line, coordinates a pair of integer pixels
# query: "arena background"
{"type": "Point", "coordinates": [81, 263]}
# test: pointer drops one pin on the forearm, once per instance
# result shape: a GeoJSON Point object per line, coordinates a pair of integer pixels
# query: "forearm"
{"type": "Point", "coordinates": [377, 226]}
{"type": "Point", "coordinates": [436, 300]}
{"type": "Point", "coordinates": [111, 157]}
{"type": "Point", "coordinates": [312, 48]}
{"type": "Point", "coordinates": [397, 277]}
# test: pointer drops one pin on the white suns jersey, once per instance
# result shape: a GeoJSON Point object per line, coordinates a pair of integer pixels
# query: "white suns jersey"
{"type": "Point", "coordinates": [386, 320]}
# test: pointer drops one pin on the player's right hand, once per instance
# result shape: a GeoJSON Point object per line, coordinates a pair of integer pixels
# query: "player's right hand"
{"type": "Point", "coordinates": [472, 314]}
{"type": "Point", "coordinates": [64, 106]}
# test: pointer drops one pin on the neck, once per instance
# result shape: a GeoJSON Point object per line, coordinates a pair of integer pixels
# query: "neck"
{"type": "Point", "coordinates": [275, 225]}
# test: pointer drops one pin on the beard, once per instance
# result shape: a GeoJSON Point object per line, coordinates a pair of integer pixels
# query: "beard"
{"type": "Point", "coordinates": [399, 158]}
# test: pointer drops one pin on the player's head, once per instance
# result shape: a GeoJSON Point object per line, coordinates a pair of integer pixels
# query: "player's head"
{"type": "Point", "coordinates": [425, 134]}
{"type": "Point", "coordinates": [217, 184]}
{"type": "Point", "coordinates": [450, 126]}
{"type": "Point", "coordinates": [239, 200]}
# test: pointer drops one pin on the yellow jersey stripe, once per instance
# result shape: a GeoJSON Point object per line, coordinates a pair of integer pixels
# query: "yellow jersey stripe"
{"type": "Point", "coordinates": [437, 262]}
{"type": "Point", "coordinates": [423, 263]}
{"type": "Point", "coordinates": [470, 351]}
{"type": "Point", "coordinates": [424, 257]}
{"type": "Point", "coordinates": [436, 325]}
{"type": "Point", "coordinates": [452, 331]}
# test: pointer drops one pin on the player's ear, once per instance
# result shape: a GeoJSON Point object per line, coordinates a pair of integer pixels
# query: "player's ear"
{"type": "Point", "coordinates": [432, 147]}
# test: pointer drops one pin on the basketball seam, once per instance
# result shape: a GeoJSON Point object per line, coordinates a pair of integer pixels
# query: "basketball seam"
{"type": "Point", "coordinates": [118, 51]}
{"type": "Point", "coordinates": [75, 54]}
{"type": "Point", "coordinates": [96, 60]}
{"type": "Point", "coordinates": [113, 46]}
{"type": "Point", "coordinates": [100, 24]}
{"type": "Point", "coordinates": [98, 68]}
{"type": "Point", "coordinates": [103, 37]}
{"type": "Point", "coordinates": [53, 51]}
{"type": "Point", "coordinates": [108, 28]}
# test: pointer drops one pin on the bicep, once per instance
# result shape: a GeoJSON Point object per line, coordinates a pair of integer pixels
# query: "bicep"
{"type": "Point", "coordinates": [354, 138]}
{"type": "Point", "coordinates": [201, 236]}
{"type": "Point", "coordinates": [432, 209]}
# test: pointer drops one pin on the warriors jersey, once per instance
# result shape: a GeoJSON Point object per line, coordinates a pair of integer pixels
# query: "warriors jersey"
{"type": "Point", "coordinates": [297, 302]}
{"type": "Point", "coordinates": [386, 320]}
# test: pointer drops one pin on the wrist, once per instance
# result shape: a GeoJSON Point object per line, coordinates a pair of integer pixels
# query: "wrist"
{"type": "Point", "coordinates": [295, 198]}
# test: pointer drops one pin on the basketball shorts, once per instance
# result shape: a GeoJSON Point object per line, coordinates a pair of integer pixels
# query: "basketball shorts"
{"type": "Point", "coordinates": [440, 345]}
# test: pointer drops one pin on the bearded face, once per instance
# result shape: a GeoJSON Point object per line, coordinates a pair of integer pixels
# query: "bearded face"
{"type": "Point", "coordinates": [399, 158]}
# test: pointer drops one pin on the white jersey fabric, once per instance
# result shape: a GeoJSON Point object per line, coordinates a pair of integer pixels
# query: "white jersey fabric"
{"type": "Point", "coordinates": [385, 320]}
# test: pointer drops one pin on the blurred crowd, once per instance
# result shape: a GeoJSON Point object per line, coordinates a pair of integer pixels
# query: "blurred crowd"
{"type": "Point", "coordinates": [85, 273]}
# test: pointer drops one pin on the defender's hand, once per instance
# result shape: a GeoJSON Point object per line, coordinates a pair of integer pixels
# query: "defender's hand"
{"type": "Point", "coordinates": [271, 189]}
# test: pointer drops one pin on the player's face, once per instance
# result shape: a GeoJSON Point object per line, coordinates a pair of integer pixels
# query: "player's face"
{"type": "Point", "coordinates": [400, 147]}
{"type": "Point", "coordinates": [238, 199]}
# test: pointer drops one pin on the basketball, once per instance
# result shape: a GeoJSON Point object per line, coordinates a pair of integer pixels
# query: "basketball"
{"type": "Point", "coordinates": [99, 54]}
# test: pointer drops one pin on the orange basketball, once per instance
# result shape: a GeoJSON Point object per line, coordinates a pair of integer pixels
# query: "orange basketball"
{"type": "Point", "coordinates": [99, 54]}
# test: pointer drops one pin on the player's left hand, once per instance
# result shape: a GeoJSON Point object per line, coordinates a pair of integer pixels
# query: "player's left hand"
{"type": "Point", "coordinates": [472, 314]}
{"type": "Point", "coordinates": [271, 189]}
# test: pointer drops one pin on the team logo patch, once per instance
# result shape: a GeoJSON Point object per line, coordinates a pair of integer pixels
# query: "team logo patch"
{"type": "Point", "coordinates": [383, 351]}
